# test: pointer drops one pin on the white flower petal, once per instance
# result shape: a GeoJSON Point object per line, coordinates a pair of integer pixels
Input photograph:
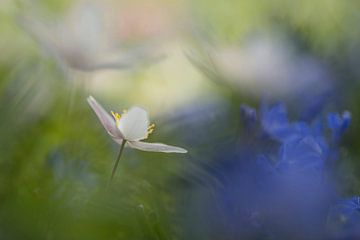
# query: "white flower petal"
{"type": "Point", "coordinates": [134, 123]}
{"type": "Point", "coordinates": [156, 147]}
{"type": "Point", "coordinates": [118, 140]}
{"type": "Point", "coordinates": [106, 120]}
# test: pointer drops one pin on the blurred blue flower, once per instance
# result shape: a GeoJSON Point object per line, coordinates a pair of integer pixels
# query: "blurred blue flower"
{"type": "Point", "coordinates": [275, 124]}
{"type": "Point", "coordinates": [72, 170]}
{"type": "Point", "coordinates": [338, 124]}
{"type": "Point", "coordinates": [344, 219]}
{"type": "Point", "coordinates": [274, 121]}
{"type": "Point", "coordinates": [302, 154]}
{"type": "Point", "coordinates": [275, 185]}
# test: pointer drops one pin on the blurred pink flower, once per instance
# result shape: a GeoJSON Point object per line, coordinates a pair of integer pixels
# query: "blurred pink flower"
{"type": "Point", "coordinates": [83, 40]}
{"type": "Point", "coordinates": [144, 20]}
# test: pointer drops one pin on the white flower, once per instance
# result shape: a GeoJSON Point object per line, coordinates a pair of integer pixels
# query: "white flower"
{"type": "Point", "coordinates": [132, 126]}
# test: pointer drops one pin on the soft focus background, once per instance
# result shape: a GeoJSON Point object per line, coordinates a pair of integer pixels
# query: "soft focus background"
{"type": "Point", "coordinates": [209, 73]}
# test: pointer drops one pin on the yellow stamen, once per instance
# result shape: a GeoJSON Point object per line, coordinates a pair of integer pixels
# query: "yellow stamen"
{"type": "Point", "coordinates": [116, 117]}
{"type": "Point", "coordinates": [150, 130]}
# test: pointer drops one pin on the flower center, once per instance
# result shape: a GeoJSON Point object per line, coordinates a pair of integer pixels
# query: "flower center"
{"type": "Point", "coordinates": [117, 117]}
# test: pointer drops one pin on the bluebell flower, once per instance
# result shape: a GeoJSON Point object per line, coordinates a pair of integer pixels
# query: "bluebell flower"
{"type": "Point", "coordinates": [275, 185]}
{"type": "Point", "coordinates": [274, 121]}
{"type": "Point", "coordinates": [344, 219]}
{"type": "Point", "coordinates": [303, 154]}
{"type": "Point", "coordinates": [338, 124]}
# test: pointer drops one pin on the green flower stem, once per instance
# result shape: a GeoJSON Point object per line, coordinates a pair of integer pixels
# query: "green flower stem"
{"type": "Point", "coordinates": [117, 160]}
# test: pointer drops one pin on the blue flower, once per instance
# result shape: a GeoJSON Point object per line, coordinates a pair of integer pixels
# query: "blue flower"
{"type": "Point", "coordinates": [274, 185]}
{"type": "Point", "coordinates": [274, 121]}
{"type": "Point", "coordinates": [300, 142]}
{"type": "Point", "coordinates": [344, 218]}
{"type": "Point", "coordinates": [338, 124]}
{"type": "Point", "coordinates": [303, 154]}
{"type": "Point", "coordinates": [351, 208]}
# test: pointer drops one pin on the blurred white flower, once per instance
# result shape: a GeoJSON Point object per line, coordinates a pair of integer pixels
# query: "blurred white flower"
{"type": "Point", "coordinates": [260, 64]}
{"type": "Point", "coordinates": [83, 40]}
{"type": "Point", "coordinates": [132, 127]}
{"type": "Point", "coordinates": [269, 66]}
